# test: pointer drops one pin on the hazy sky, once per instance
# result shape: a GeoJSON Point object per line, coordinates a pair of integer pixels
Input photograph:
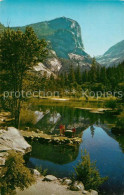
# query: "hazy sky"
{"type": "Point", "coordinates": [102, 22]}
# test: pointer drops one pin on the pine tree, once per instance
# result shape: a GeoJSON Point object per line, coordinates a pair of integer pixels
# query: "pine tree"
{"type": "Point", "coordinates": [87, 173]}
{"type": "Point", "coordinates": [71, 75]}
{"type": "Point", "coordinates": [78, 75]}
{"type": "Point", "coordinates": [93, 71]}
{"type": "Point", "coordinates": [19, 52]}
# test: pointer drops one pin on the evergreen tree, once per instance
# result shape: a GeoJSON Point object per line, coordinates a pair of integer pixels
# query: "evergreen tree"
{"type": "Point", "coordinates": [93, 71]}
{"type": "Point", "coordinates": [71, 75]}
{"type": "Point", "coordinates": [78, 75]}
{"type": "Point", "coordinates": [19, 52]}
{"type": "Point", "coordinates": [14, 174]}
{"type": "Point", "coordinates": [87, 173]}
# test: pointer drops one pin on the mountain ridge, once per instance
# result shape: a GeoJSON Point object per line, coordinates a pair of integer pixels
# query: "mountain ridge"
{"type": "Point", "coordinates": [63, 33]}
{"type": "Point", "coordinates": [113, 56]}
{"type": "Point", "coordinates": [64, 41]}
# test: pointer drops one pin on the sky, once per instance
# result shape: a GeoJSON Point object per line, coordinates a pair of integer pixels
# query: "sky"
{"type": "Point", "coordinates": [101, 21]}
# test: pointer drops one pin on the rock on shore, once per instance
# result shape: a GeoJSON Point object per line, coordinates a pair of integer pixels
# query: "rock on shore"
{"type": "Point", "coordinates": [11, 139]}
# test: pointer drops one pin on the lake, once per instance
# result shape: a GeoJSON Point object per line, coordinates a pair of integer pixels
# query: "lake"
{"type": "Point", "coordinates": [104, 147]}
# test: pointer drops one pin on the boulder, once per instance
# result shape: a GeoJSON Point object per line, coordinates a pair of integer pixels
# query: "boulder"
{"type": "Point", "coordinates": [2, 161]}
{"type": "Point", "coordinates": [85, 192]}
{"type": "Point", "coordinates": [50, 178]}
{"type": "Point", "coordinates": [12, 140]}
{"type": "Point", "coordinates": [77, 186]}
{"type": "Point", "coordinates": [93, 192]}
{"type": "Point", "coordinates": [90, 192]}
{"type": "Point", "coordinates": [67, 181]}
{"type": "Point", "coordinates": [80, 186]}
{"type": "Point", "coordinates": [2, 131]}
{"type": "Point", "coordinates": [36, 172]}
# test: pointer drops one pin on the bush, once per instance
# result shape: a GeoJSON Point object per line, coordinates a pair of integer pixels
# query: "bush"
{"type": "Point", "coordinates": [42, 172]}
{"type": "Point", "coordinates": [14, 174]}
{"type": "Point", "coordinates": [111, 104]}
{"type": "Point", "coordinates": [27, 117]}
{"type": "Point", "coordinates": [86, 172]}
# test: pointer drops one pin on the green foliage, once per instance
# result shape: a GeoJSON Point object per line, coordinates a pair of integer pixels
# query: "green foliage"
{"type": "Point", "coordinates": [86, 172]}
{"type": "Point", "coordinates": [41, 29]}
{"type": "Point", "coordinates": [98, 79]}
{"type": "Point", "coordinates": [27, 117]}
{"type": "Point", "coordinates": [71, 85]}
{"type": "Point", "coordinates": [19, 52]}
{"type": "Point", "coordinates": [93, 71]}
{"type": "Point", "coordinates": [111, 104]}
{"type": "Point", "coordinates": [14, 174]}
{"type": "Point", "coordinates": [1, 28]}
{"type": "Point", "coordinates": [42, 172]}
{"type": "Point", "coordinates": [120, 121]}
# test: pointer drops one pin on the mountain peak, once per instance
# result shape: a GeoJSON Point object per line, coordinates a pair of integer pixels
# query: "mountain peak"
{"type": "Point", "coordinates": [65, 19]}
{"type": "Point", "coordinates": [63, 33]}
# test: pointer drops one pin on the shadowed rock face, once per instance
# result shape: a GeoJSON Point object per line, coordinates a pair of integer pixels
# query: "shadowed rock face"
{"type": "Point", "coordinates": [12, 140]}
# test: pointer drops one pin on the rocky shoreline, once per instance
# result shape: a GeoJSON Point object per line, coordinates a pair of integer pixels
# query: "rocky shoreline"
{"type": "Point", "coordinates": [12, 139]}
{"type": "Point", "coordinates": [45, 138]}
{"type": "Point", "coordinates": [50, 184]}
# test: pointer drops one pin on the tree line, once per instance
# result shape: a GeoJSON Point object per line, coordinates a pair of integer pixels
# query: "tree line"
{"type": "Point", "coordinates": [96, 79]}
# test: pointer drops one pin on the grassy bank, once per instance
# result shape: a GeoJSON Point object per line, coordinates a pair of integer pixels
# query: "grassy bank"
{"type": "Point", "coordinates": [72, 102]}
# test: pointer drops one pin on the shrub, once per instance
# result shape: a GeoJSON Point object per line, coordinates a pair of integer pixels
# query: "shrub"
{"type": "Point", "coordinates": [14, 174]}
{"type": "Point", "coordinates": [86, 172]}
{"type": "Point", "coordinates": [42, 172]}
{"type": "Point", "coordinates": [111, 104]}
{"type": "Point", "coordinates": [27, 117]}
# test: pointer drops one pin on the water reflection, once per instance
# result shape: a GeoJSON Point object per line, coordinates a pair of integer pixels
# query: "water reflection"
{"type": "Point", "coordinates": [70, 117]}
{"type": "Point", "coordinates": [92, 129]}
{"type": "Point", "coordinates": [54, 153]}
{"type": "Point", "coordinates": [104, 149]}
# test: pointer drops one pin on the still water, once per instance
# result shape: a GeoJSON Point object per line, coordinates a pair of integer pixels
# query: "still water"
{"type": "Point", "coordinates": [104, 147]}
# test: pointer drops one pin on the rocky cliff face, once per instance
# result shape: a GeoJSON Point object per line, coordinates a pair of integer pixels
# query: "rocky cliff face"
{"type": "Point", "coordinates": [64, 35]}
{"type": "Point", "coordinates": [83, 61]}
{"type": "Point", "coordinates": [113, 56]}
{"type": "Point", "coordinates": [65, 42]}
{"type": "Point", "coordinates": [66, 38]}
{"type": "Point", "coordinates": [51, 65]}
